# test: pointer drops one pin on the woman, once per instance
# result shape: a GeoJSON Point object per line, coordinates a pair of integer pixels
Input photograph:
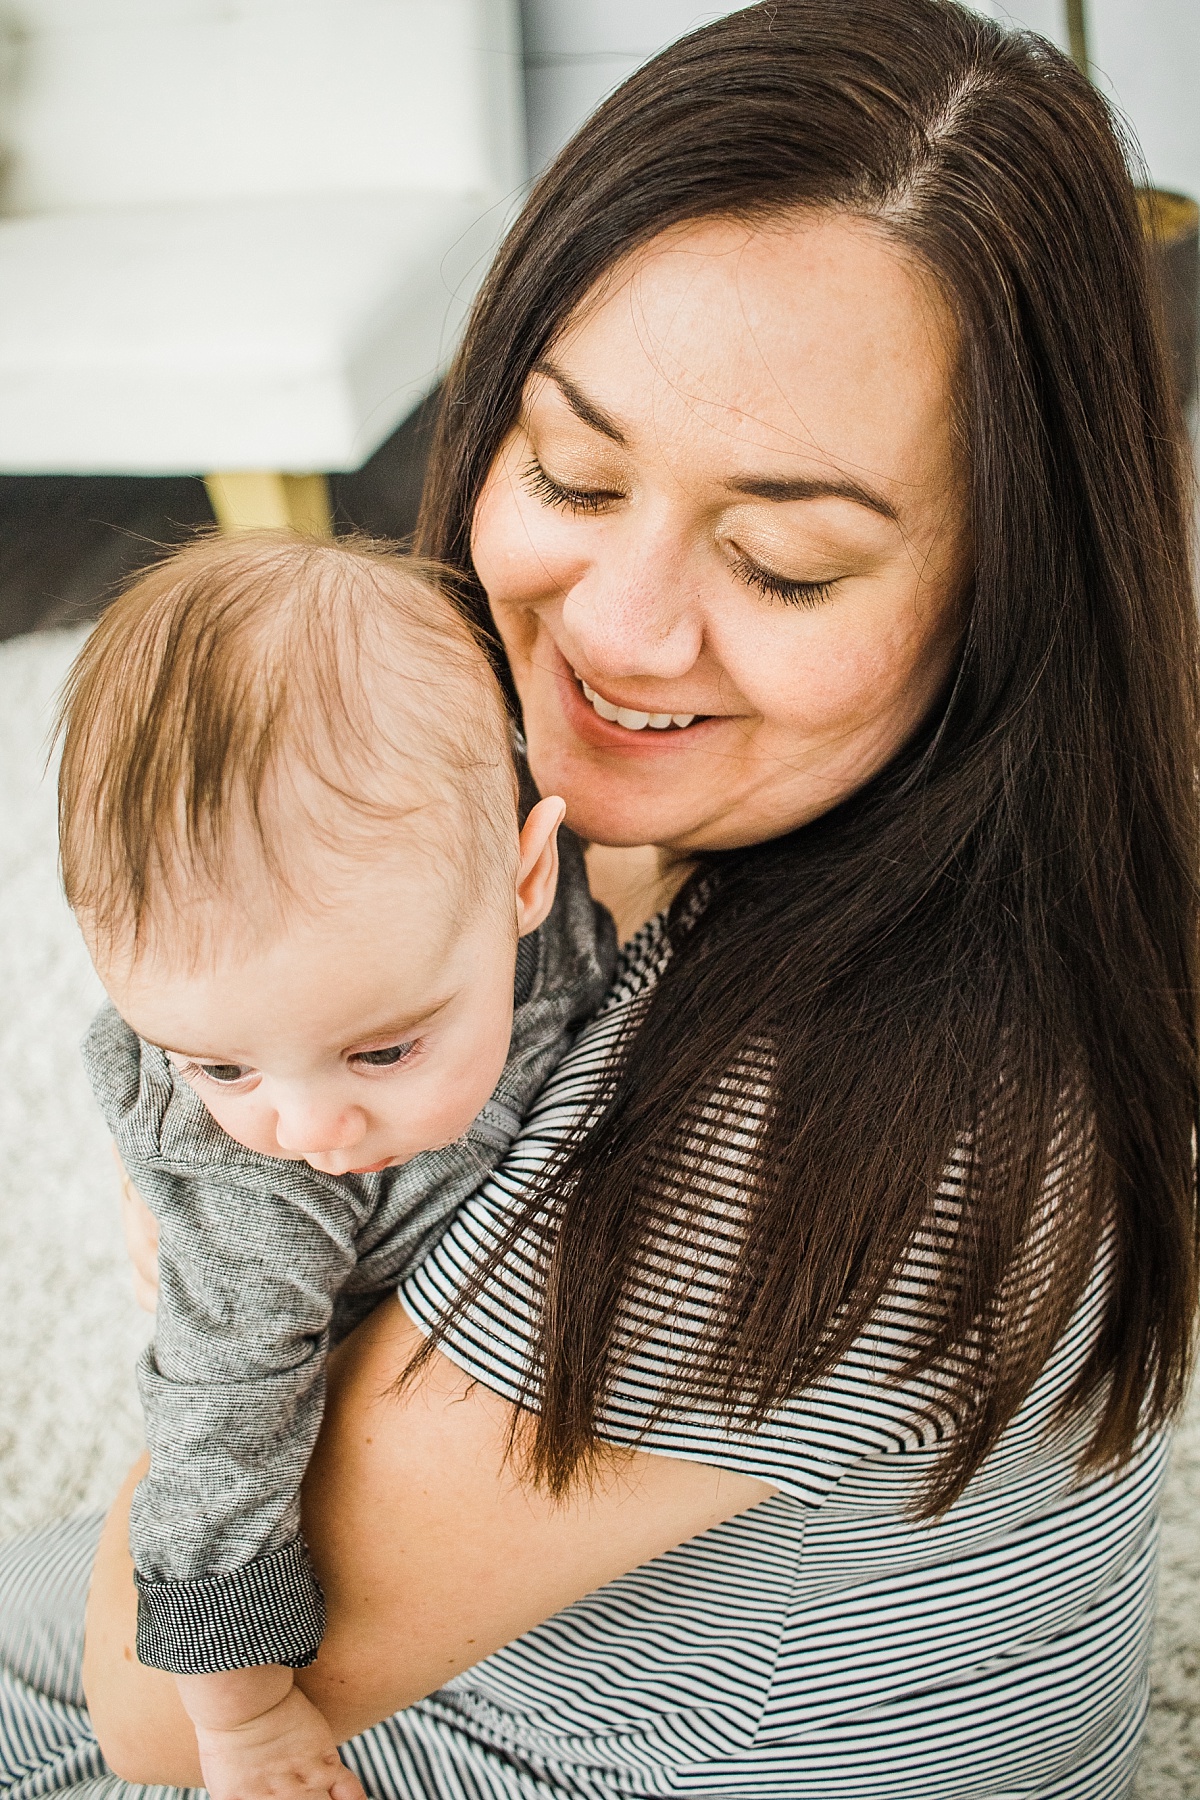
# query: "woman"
{"type": "Point", "coordinates": [812, 452]}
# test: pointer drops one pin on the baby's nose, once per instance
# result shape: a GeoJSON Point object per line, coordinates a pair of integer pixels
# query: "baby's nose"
{"type": "Point", "coordinates": [309, 1129]}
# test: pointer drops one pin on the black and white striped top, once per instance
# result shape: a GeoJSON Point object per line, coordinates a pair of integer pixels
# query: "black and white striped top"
{"type": "Point", "coordinates": [823, 1645]}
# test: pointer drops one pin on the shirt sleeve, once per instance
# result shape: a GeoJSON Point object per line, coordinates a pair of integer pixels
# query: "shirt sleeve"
{"type": "Point", "coordinates": [252, 1254]}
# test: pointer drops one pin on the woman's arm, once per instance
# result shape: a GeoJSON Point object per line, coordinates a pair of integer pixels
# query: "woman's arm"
{"type": "Point", "coordinates": [431, 1552]}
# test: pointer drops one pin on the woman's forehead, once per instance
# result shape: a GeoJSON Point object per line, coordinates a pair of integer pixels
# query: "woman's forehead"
{"type": "Point", "coordinates": [812, 337]}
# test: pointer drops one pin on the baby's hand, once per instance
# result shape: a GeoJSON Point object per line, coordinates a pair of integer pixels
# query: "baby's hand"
{"type": "Point", "coordinates": [286, 1752]}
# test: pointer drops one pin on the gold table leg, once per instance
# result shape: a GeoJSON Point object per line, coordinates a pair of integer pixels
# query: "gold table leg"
{"type": "Point", "coordinates": [258, 499]}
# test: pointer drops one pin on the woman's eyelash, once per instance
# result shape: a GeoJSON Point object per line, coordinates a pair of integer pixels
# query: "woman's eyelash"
{"type": "Point", "coordinates": [779, 587]}
{"type": "Point", "coordinates": [587, 500]}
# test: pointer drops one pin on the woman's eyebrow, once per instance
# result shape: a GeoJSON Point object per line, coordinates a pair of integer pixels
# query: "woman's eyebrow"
{"type": "Point", "coordinates": [580, 405]}
{"type": "Point", "coordinates": [773, 487]}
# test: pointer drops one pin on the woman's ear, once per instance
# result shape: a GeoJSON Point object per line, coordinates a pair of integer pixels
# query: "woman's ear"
{"type": "Point", "coordinates": [537, 876]}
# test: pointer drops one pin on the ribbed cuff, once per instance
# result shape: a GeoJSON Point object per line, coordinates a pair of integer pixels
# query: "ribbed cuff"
{"type": "Point", "coordinates": [269, 1611]}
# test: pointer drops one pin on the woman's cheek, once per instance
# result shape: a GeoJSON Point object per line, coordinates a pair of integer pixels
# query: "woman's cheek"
{"type": "Point", "coordinates": [525, 553]}
{"type": "Point", "coordinates": [505, 542]}
{"type": "Point", "coordinates": [815, 675]}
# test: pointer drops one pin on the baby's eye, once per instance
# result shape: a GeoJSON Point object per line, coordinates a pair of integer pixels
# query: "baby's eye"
{"type": "Point", "coordinates": [225, 1074]}
{"type": "Point", "coordinates": [383, 1059]}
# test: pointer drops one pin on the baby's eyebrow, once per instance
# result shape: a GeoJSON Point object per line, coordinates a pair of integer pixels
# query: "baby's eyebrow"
{"type": "Point", "coordinates": [395, 1028]}
{"type": "Point", "coordinates": [193, 1055]}
{"type": "Point", "coordinates": [382, 1035]}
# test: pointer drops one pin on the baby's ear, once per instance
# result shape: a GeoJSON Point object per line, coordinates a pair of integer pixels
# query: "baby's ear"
{"type": "Point", "coordinates": [537, 876]}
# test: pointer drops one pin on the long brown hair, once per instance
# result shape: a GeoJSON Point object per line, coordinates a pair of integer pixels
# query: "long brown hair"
{"type": "Point", "coordinates": [990, 951]}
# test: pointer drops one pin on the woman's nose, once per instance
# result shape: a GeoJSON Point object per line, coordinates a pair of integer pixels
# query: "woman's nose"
{"type": "Point", "coordinates": [637, 616]}
{"type": "Point", "coordinates": [305, 1125]}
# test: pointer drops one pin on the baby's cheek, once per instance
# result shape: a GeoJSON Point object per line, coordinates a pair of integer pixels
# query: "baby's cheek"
{"type": "Point", "coordinates": [252, 1126]}
{"type": "Point", "coordinates": [474, 1081]}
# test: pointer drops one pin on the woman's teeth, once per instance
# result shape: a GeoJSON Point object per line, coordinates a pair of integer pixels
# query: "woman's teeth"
{"type": "Point", "coordinates": [632, 721]}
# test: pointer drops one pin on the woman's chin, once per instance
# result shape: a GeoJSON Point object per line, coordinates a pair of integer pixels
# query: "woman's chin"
{"type": "Point", "coordinates": [625, 820]}
{"type": "Point", "coordinates": [621, 799]}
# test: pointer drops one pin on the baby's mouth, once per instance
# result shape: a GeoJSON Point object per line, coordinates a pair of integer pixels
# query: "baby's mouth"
{"type": "Point", "coordinates": [374, 1168]}
{"type": "Point", "coordinates": [630, 719]}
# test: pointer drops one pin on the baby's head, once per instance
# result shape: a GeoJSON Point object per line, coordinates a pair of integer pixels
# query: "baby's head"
{"type": "Point", "coordinates": [289, 831]}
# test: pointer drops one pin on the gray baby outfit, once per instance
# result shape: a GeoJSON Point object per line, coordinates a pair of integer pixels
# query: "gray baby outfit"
{"type": "Point", "coordinates": [262, 1264]}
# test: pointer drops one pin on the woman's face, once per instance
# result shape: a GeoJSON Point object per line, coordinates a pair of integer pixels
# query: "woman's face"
{"type": "Point", "coordinates": [725, 542]}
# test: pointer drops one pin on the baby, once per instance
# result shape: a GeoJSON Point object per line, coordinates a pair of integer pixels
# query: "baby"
{"type": "Point", "coordinates": [340, 967]}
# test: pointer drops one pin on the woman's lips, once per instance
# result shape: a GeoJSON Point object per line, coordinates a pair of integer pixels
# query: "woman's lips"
{"type": "Point", "coordinates": [610, 734]}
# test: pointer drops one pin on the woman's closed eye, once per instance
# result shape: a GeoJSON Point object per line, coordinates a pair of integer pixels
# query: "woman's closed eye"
{"type": "Point", "coordinates": [556, 493]}
{"type": "Point", "coordinates": [782, 587]}
{"type": "Point", "coordinates": [767, 582]}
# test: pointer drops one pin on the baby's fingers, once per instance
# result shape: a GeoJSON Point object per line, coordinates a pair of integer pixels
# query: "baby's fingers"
{"type": "Point", "coordinates": [141, 1239]}
{"type": "Point", "coordinates": [346, 1785]}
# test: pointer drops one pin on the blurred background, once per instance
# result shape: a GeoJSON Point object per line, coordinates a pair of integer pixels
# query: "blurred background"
{"type": "Point", "coordinates": [238, 239]}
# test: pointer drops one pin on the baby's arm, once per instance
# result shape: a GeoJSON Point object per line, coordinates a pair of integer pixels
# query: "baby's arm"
{"type": "Point", "coordinates": [249, 1277]}
{"type": "Point", "coordinates": [261, 1739]}
{"type": "Point", "coordinates": [233, 1389]}
{"type": "Point", "coordinates": [256, 1732]}
{"type": "Point", "coordinates": [233, 1392]}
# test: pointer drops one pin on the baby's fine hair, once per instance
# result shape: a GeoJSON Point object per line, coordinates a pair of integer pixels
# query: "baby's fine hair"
{"type": "Point", "coordinates": [241, 677]}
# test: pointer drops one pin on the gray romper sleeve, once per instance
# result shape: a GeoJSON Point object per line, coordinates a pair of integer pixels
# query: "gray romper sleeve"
{"type": "Point", "coordinates": [252, 1254]}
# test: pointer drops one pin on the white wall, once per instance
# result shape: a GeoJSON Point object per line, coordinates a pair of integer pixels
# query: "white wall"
{"type": "Point", "coordinates": [1146, 55]}
{"type": "Point", "coordinates": [1146, 58]}
{"type": "Point", "coordinates": [133, 102]}
{"type": "Point", "coordinates": [576, 51]}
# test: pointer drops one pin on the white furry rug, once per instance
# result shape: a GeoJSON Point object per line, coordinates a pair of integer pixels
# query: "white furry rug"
{"type": "Point", "coordinates": [68, 1414]}
{"type": "Point", "coordinates": [69, 1421]}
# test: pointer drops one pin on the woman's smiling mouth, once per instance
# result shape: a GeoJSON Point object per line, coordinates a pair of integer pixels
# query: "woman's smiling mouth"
{"type": "Point", "coordinates": [630, 718]}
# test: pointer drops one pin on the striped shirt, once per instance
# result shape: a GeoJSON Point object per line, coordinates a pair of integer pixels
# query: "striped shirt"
{"type": "Point", "coordinates": [823, 1645]}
